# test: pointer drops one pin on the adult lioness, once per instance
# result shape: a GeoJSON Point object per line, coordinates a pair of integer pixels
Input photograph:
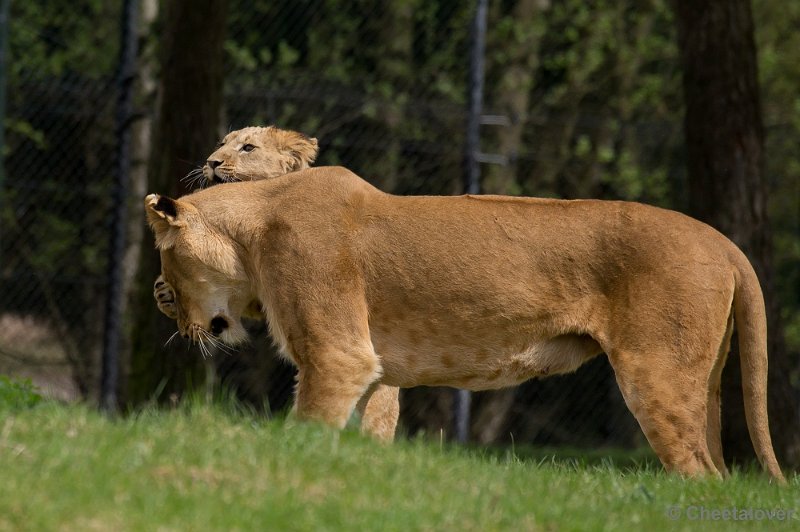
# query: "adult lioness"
{"type": "Point", "coordinates": [477, 292]}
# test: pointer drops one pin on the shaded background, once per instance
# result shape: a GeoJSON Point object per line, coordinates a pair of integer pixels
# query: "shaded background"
{"type": "Point", "coordinates": [581, 99]}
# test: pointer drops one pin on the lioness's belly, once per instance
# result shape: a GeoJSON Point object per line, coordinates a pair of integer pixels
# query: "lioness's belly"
{"type": "Point", "coordinates": [474, 361]}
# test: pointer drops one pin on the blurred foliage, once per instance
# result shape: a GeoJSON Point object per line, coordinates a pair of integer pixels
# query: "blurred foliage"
{"type": "Point", "coordinates": [603, 113]}
{"type": "Point", "coordinates": [58, 148]}
{"type": "Point", "coordinates": [58, 164]}
{"type": "Point", "coordinates": [63, 37]}
{"type": "Point", "coordinates": [382, 84]}
{"type": "Point", "coordinates": [17, 394]}
{"type": "Point", "coordinates": [778, 43]}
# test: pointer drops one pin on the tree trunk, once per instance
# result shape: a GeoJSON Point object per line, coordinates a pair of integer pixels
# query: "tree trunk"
{"type": "Point", "coordinates": [146, 87]}
{"type": "Point", "coordinates": [727, 188]}
{"type": "Point", "coordinates": [190, 94]}
{"type": "Point", "coordinates": [516, 63]}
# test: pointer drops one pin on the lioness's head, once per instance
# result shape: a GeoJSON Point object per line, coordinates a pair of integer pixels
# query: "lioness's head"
{"type": "Point", "coordinates": [255, 153]}
{"type": "Point", "coordinates": [204, 269]}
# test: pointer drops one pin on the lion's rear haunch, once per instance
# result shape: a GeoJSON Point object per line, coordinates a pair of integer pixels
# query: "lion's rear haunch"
{"type": "Point", "coordinates": [364, 290]}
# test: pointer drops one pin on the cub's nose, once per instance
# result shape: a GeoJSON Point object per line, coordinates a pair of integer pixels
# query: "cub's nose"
{"type": "Point", "coordinates": [218, 325]}
{"type": "Point", "coordinates": [213, 163]}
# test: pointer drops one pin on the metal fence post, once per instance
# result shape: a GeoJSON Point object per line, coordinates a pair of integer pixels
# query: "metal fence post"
{"type": "Point", "coordinates": [462, 399]}
{"type": "Point", "coordinates": [125, 77]}
{"type": "Point", "coordinates": [4, 46]}
{"type": "Point", "coordinates": [472, 183]}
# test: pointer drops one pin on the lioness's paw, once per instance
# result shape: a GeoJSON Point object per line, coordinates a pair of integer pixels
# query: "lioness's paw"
{"type": "Point", "coordinates": [165, 298]}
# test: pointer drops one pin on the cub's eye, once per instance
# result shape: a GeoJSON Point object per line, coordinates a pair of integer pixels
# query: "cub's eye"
{"type": "Point", "coordinates": [220, 144]}
{"type": "Point", "coordinates": [247, 148]}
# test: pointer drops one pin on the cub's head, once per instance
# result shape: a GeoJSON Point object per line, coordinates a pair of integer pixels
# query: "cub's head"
{"type": "Point", "coordinates": [255, 153]}
{"type": "Point", "coordinates": [205, 270]}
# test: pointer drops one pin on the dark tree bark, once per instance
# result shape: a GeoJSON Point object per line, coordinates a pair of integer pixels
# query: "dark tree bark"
{"type": "Point", "coordinates": [728, 190]}
{"type": "Point", "coordinates": [142, 128]}
{"type": "Point", "coordinates": [186, 129]}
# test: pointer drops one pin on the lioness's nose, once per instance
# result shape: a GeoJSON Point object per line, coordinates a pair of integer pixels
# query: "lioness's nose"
{"type": "Point", "coordinates": [213, 163]}
{"type": "Point", "coordinates": [218, 324]}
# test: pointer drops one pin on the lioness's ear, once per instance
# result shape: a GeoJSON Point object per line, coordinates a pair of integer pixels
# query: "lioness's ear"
{"type": "Point", "coordinates": [301, 150]}
{"type": "Point", "coordinates": [162, 215]}
{"type": "Point", "coordinates": [161, 208]}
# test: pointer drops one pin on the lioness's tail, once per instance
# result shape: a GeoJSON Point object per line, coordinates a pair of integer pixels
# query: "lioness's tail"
{"type": "Point", "coordinates": [751, 324]}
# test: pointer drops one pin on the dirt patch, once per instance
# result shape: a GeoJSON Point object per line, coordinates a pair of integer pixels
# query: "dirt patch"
{"type": "Point", "coordinates": [30, 349]}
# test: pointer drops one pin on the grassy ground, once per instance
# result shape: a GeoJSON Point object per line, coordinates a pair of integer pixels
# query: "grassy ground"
{"type": "Point", "coordinates": [212, 468]}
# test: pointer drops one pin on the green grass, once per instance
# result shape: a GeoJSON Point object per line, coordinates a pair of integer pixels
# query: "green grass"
{"type": "Point", "coordinates": [213, 468]}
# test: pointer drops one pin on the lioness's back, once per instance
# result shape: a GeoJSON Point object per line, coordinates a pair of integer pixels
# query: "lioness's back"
{"type": "Point", "coordinates": [475, 224]}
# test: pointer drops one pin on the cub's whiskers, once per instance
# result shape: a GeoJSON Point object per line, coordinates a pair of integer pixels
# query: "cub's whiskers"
{"type": "Point", "coordinates": [195, 178]}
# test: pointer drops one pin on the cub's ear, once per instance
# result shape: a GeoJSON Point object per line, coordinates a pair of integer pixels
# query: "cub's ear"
{"type": "Point", "coordinates": [164, 219]}
{"type": "Point", "coordinates": [300, 149]}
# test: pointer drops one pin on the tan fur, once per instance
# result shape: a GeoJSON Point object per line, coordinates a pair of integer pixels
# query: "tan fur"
{"type": "Point", "coordinates": [275, 152]}
{"type": "Point", "coordinates": [477, 292]}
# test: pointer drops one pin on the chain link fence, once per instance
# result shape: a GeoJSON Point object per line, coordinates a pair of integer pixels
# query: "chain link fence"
{"type": "Point", "coordinates": [385, 88]}
{"type": "Point", "coordinates": [58, 165]}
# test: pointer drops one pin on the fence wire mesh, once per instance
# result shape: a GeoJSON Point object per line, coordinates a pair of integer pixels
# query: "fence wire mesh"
{"type": "Point", "coordinates": [58, 163]}
{"type": "Point", "coordinates": [384, 87]}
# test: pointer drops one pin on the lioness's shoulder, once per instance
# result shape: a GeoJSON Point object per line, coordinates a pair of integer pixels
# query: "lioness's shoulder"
{"type": "Point", "coordinates": [328, 180]}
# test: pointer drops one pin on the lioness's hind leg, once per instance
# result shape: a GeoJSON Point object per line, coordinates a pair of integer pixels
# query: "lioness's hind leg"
{"type": "Point", "coordinates": [714, 427]}
{"type": "Point", "coordinates": [668, 400]}
{"type": "Point", "coordinates": [379, 409]}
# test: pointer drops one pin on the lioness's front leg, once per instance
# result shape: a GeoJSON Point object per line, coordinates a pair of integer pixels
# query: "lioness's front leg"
{"type": "Point", "coordinates": [165, 298]}
{"type": "Point", "coordinates": [330, 382]}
